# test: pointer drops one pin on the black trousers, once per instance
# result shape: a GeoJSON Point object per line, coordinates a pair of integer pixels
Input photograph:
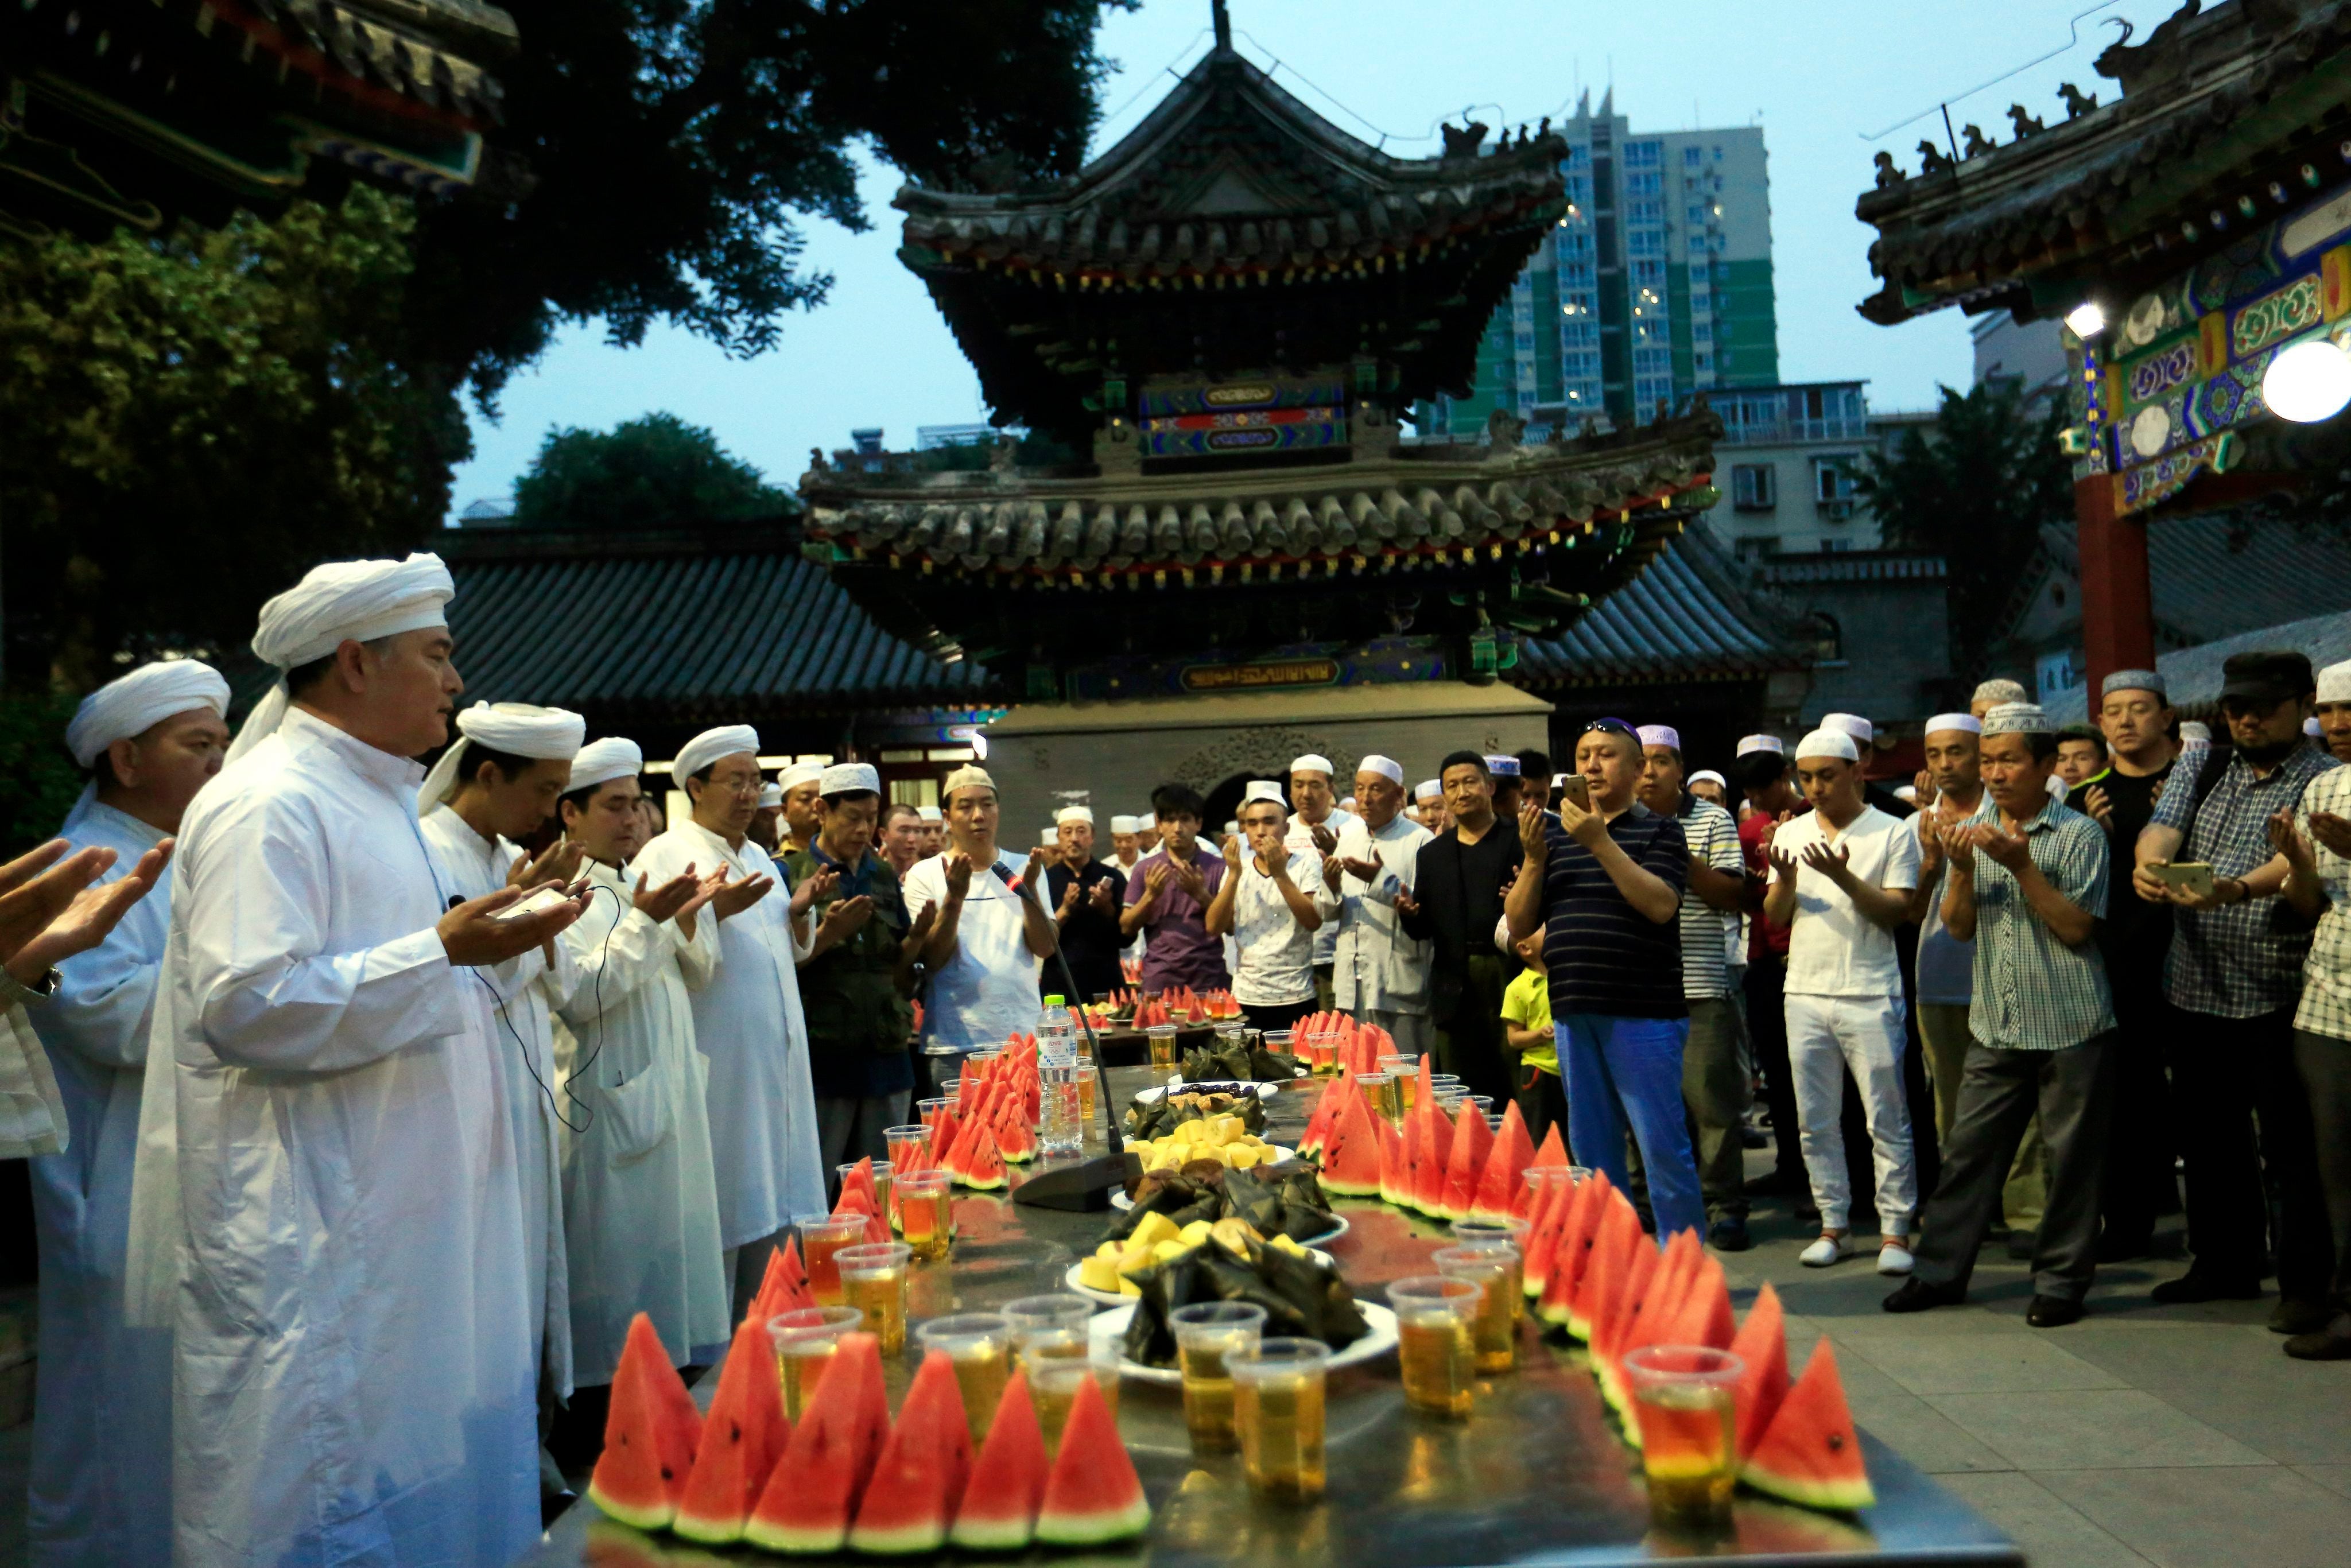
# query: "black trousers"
{"type": "Point", "coordinates": [2000, 1092]}
{"type": "Point", "coordinates": [2325, 1064]}
{"type": "Point", "coordinates": [1470, 1040]}
{"type": "Point", "coordinates": [1767, 1032]}
{"type": "Point", "coordinates": [2140, 1183]}
{"type": "Point", "coordinates": [1287, 1015]}
{"type": "Point", "coordinates": [1542, 1105]}
{"type": "Point", "coordinates": [2248, 1134]}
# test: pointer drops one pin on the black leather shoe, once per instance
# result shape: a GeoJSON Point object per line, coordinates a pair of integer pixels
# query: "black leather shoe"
{"type": "Point", "coordinates": [2196, 1285]}
{"type": "Point", "coordinates": [2300, 1316]}
{"type": "Point", "coordinates": [2325, 1345]}
{"type": "Point", "coordinates": [2053, 1312]}
{"type": "Point", "coordinates": [1917, 1295]}
{"type": "Point", "coordinates": [1728, 1234]}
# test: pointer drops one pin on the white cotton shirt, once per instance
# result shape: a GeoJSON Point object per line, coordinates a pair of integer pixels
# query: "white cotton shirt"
{"type": "Point", "coordinates": [987, 990]}
{"type": "Point", "coordinates": [749, 1025]}
{"type": "Point", "coordinates": [1300, 840]}
{"type": "Point", "coordinates": [1834, 950]}
{"type": "Point", "coordinates": [515, 998]}
{"type": "Point", "coordinates": [1274, 955]}
{"type": "Point", "coordinates": [352, 1362]}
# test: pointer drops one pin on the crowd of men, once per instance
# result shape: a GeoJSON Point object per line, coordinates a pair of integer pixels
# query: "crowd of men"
{"type": "Point", "coordinates": [362, 1131]}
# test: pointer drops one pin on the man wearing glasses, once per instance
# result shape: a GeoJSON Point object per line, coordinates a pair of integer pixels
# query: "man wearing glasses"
{"type": "Point", "coordinates": [1605, 876]}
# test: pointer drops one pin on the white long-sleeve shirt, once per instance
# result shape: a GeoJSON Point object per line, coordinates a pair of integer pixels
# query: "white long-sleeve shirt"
{"type": "Point", "coordinates": [353, 1365]}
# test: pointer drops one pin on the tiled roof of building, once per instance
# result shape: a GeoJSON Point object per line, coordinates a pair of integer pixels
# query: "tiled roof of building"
{"type": "Point", "coordinates": [2192, 676]}
{"type": "Point", "coordinates": [2214, 577]}
{"type": "Point", "coordinates": [1683, 619]}
{"type": "Point", "coordinates": [677, 625]}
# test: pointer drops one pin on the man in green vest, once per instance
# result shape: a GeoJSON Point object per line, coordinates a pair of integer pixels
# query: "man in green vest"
{"type": "Point", "coordinates": [859, 972]}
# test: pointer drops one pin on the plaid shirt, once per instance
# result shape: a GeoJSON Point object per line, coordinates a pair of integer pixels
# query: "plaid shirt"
{"type": "Point", "coordinates": [2033, 992]}
{"type": "Point", "coordinates": [2327, 974]}
{"type": "Point", "coordinates": [2244, 960]}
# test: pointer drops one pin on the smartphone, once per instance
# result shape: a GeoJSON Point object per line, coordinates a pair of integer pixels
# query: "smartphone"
{"type": "Point", "coordinates": [1576, 786]}
{"type": "Point", "coordinates": [2194, 877]}
{"type": "Point", "coordinates": [545, 898]}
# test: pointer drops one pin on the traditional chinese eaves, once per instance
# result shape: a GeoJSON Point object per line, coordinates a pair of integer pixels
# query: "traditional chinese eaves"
{"type": "Point", "coordinates": [2230, 117]}
{"type": "Point", "coordinates": [1308, 246]}
{"type": "Point", "coordinates": [1684, 618]}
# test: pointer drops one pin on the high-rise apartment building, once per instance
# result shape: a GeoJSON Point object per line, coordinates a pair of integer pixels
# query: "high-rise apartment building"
{"type": "Point", "coordinates": [1655, 284]}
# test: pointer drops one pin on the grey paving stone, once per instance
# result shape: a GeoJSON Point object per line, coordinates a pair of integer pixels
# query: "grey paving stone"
{"type": "Point", "coordinates": [2091, 1428]}
{"type": "Point", "coordinates": [2214, 1517]}
{"type": "Point", "coordinates": [2051, 1530]}
{"type": "Point", "coordinates": [1986, 1364]}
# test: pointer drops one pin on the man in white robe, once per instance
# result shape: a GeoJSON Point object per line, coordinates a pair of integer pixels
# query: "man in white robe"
{"type": "Point", "coordinates": [497, 782]}
{"type": "Point", "coordinates": [352, 1360]}
{"type": "Point", "coordinates": [747, 1019]}
{"type": "Point", "coordinates": [640, 1199]}
{"type": "Point", "coordinates": [102, 1398]}
{"type": "Point", "coordinates": [1379, 971]}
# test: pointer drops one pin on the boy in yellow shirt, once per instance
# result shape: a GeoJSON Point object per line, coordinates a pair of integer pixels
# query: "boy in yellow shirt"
{"type": "Point", "coordinates": [1526, 1029]}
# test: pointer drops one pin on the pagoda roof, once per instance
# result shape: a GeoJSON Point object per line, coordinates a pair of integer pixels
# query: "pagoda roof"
{"type": "Point", "coordinates": [1231, 183]}
{"type": "Point", "coordinates": [1687, 618]}
{"type": "Point", "coordinates": [2228, 118]}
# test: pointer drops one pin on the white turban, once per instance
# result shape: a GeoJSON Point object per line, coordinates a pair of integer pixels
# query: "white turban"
{"type": "Point", "coordinates": [2335, 683]}
{"type": "Point", "coordinates": [518, 729]}
{"type": "Point", "coordinates": [1075, 814]}
{"type": "Point", "coordinates": [1428, 790]}
{"type": "Point", "coordinates": [139, 701]}
{"type": "Point", "coordinates": [1263, 790]}
{"type": "Point", "coordinates": [343, 600]}
{"type": "Point", "coordinates": [928, 814]}
{"type": "Point", "coordinates": [602, 761]}
{"type": "Point", "coordinates": [801, 773]}
{"type": "Point", "coordinates": [1853, 724]}
{"type": "Point", "coordinates": [1502, 766]}
{"type": "Point", "coordinates": [1942, 722]}
{"type": "Point", "coordinates": [846, 779]}
{"type": "Point", "coordinates": [1828, 743]}
{"type": "Point", "coordinates": [727, 740]}
{"type": "Point", "coordinates": [1753, 743]}
{"type": "Point", "coordinates": [1125, 825]}
{"type": "Point", "coordinates": [1387, 767]}
{"type": "Point", "coordinates": [968, 776]}
{"type": "Point", "coordinates": [1311, 763]}
{"type": "Point", "coordinates": [1660, 734]}
{"type": "Point", "coordinates": [1709, 776]}
{"type": "Point", "coordinates": [771, 796]}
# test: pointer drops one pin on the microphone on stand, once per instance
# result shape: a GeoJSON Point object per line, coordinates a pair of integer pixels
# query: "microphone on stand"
{"type": "Point", "coordinates": [1087, 1184]}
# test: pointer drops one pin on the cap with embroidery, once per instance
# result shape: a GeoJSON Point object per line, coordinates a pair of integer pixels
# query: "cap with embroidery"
{"type": "Point", "coordinates": [2018, 718]}
{"type": "Point", "coordinates": [1660, 734]}
{"type": "Point", "coordinates": [2134, 681]}
{"type": "Point", "coordinates": [1748, 743]}
{"type": "Point", "coordinates": [1502, 766]}
{"type": "Point", "coordinates": [2335, 683]}
{"type": "Point", "coordinates": [849, 779]}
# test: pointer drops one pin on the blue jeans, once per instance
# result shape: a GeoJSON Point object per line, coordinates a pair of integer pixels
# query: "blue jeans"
{"type": "Point", "coordinates": [1634, 1064]}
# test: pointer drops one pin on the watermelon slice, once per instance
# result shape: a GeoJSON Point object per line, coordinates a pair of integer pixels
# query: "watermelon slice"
{"type": "Point", "coordinates": [918, 1480]}
{"type": "Point", "coordinates": [1465, 1164]}
{"type": "Point", "coordinates": [1014, 1138]}
{"type": "Point", "coordinates": [984, 1169]}
{"type": "Point", "coordinates": [1436, 1155]}
{"type": "Point", "coordinates": [742, 1438]}
{"type": "Point", "coordinates": [1704, 1316]}
{"type": "Point", "coordinates": [1350, 1155]}
{"type": "Point", "coordinates": [1506, 1166]}
{"type": "Point", "coordinates": [855, 1202]}
{"type": "Point", "coordinates": [1583, 1235]}
{"type": "Point", "coordinates": [861, 1178]}
{"type": "Point", "coordinates": [1762, 1345]}
{"type": "Point", "coordinates": [1546, 1224]}
{"type": "Point", "coordinates": [1598, 1276]}
{"type": "Point", "coordinates": [649, 1434]}
{"type": "Point", "coordinates": [1092, 1495]}
{"type": "Point", "coordinates": [1810, 1454]}
{"type": "Point", "coordinates": [1007, 1482]}
{"type": "Point", "coordinates": [815, 1490]}
{"type": "Point", "coordinates": [1398, 1149]}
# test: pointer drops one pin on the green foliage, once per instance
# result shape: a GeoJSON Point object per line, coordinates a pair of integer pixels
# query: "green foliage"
{"type": "Point", "coordinates": [1976, 489]}
{"type": "Point", "coordinates": [38, 781]}
{"type": "Point", "coordinates": [191, 422]}
{"type": "Point", "coordinates": [663, 149]}
{"type": "Point", "coordinates": [644, 473]}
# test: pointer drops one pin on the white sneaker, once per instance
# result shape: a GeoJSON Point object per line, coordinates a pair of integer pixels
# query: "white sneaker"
{"type": "Point", "coordinates": [1822, 1253]}
{"type": "Point", "coordinates": [1892, 1258]}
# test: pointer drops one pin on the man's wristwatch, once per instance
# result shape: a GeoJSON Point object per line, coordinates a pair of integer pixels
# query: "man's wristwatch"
{"type": "Point", "coordinates": [16, 993]}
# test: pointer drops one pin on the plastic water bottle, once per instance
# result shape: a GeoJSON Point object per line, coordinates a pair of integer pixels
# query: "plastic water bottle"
{"type": "Point", "coordinates": [1061, 1107]}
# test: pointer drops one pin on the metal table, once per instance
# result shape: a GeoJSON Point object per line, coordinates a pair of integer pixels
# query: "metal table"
{"type": "Point", "coordinates": [1536, 1475]}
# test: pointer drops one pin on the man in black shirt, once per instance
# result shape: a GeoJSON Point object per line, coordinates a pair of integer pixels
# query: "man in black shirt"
{"type": "Point", "coordinates": [1455, 900]}
{"type": "Point", "coordinates": [1604, 878]}
{"type": "Point", "coordinates": [1085, 895]}
{"type": "Point", "coordinates": [2135, 713]}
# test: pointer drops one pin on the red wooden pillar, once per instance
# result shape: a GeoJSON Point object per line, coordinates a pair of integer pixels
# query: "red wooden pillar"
{"type": "Point", "coordinates": [2117, 601]}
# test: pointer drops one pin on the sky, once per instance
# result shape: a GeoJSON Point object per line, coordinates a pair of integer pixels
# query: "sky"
{"type": "Point", "coordinates": [1822, 78]}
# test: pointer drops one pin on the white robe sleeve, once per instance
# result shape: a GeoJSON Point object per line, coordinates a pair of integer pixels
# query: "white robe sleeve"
{"type": "Point", "coordinates": [266, 995]}
{"type": "Point", "coordinates": [697, 960]}
{"type": "Point", "coordinates": [100, 1008]}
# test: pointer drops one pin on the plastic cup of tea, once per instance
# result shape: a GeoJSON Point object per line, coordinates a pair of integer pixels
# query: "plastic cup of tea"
{"type": "Point", "coordinates": [883, 1170]}
{"type": "Point", "coordinates": [926, 1213]}
{"type": "Point", "coordinates": [1511, 1233]}
{"type": "Point", "coordinates": [1042, 1319]}
{"type": "Point", "coordinates": [1682, 1398]}
{"type": "Point", "coordinates": [905, 1141]}
{"type": "Point", "coordinates": [1161, 1040]}
{"type": "Point", "coordinates": [1278, 1408]}
{"type": "Point", "coordinates": [873, 1280]}
{"type": "Point", "coordinates": [1435, 1346]}
{"type": "Point", "coordinates": [979, 1346]}
{"type": "Point", "coordinates": [1381, 1094]}
{"type": "Point", "coordinates": [1054, 1384]}
{"type": "Point", "coordinates": [1281, 1042]}
{"type": "Point", "coordinates": [822, 1239]}
{"type": "Point", "coordinates": [805, 1339]}
{"type": "Point", "coordinates": [1494, 1269]}
{"type": "Point", "coordinates": [1206, 1334]}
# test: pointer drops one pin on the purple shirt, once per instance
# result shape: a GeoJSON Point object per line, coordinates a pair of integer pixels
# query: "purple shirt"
{"type": "Point", "coordinates": [1181, 951]}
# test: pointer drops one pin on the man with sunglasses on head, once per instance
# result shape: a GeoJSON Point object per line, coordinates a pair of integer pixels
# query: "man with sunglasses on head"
{"type": "Point", "coordinates": [1606, 876]}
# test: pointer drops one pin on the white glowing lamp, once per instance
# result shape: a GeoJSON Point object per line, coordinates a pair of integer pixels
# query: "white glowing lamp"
{"type": "Point", "coordinates": [2086, 319]}
{"type": "Point", "coordinates": [2308, 382]}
